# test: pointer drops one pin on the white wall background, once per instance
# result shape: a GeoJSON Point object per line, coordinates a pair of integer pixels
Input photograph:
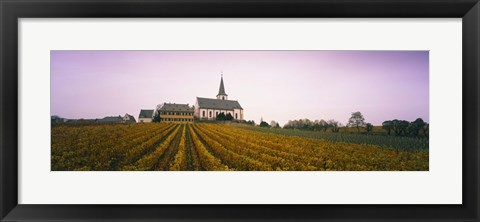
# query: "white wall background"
{"type": "Point", "coordinates": [441, 185]}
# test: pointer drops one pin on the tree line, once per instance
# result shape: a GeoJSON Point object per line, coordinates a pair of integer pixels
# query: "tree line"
{"type": "Point", "coordinates": [405, 128]}
{"type": "Point", "coordinates": [316, 125]}
{"type": "Point", "coordinates": [397, 127]}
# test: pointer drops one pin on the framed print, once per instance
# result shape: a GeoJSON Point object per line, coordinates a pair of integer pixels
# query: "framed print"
{"type": "Point", "coordinates": [213, 134]}
{"type": "Point", "coordinates": [226, 110]}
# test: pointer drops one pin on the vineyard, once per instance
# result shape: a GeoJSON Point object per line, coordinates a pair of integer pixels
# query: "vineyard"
{"type": "Point", "coordinates": [380, 139]}
{"type": "Point", "coordinates": [194, 147]}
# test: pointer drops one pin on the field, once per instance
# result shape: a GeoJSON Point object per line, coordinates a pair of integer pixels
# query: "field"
{"type": "Point", "coordinates": [203, 146]}
{"type": "Point", "coordinates": [349, 135]}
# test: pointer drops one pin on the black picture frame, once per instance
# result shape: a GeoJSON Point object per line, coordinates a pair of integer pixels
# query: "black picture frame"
{"type": "Point", "coordinates": [12, 10]}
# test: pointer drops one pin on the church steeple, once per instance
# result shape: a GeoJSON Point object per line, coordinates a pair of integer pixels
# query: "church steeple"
{"type": "Point", "coordinates": [221, 91]}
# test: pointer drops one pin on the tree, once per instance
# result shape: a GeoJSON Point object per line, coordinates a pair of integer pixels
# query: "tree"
{"type": "Point", "coordinates": [229, 117]}
{"type": "Point", "coordinates": [221, 117]}
{"type": "Point", "coordinates": [403, 124]}
{"type": "Point", "coordinates": [400, 127]}
{"type": "Point", "coordinates": [369, 127]}
{"type": "Point", "coordinates": [425, 129]}
{"type": "Point", "coordinates": [323, 125]}
{"type": "Point", "coordinates": [395, 126]}
{"type": "Point", "coordinates": [316, 125]}
{"type": "Point", "coordinates": [306, 124]}
{"type": "Point", "coordinates": [388, 126]}
{"type": "Point", "coordinates": [274, 124]}
{"type": "Point", "coordinates": [416, 126]}
{"type": "Point", "coordinates": [264, 124]}
{"type": "Point", "coordinates": [291, 124]}
{"type": "Point", "coordinates": [356, 120]}
{"type": "Point", "coordinates": [334, 125]}
{"type": "Point", "coordinates": [156, 116]}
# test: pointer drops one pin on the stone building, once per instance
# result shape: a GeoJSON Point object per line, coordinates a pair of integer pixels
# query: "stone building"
{"type": "Point", "coordinates": [172, 112]}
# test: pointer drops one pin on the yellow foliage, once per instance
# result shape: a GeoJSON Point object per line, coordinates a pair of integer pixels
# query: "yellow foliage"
{"type": "Point", "coordinates": [215, 147]}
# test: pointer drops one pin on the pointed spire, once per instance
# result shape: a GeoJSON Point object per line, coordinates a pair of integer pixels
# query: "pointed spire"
{"type": "Point", "coordinates": [221, 91]}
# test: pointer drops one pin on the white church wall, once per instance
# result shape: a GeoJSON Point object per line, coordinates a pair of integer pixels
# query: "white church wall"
{"type": "Point", "coordinates": [236, 113]}
{"type": "Point", "coordinates": [196, 112]}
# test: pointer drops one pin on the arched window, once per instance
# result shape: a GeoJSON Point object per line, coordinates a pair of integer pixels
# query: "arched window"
{"type": "Point", "coordinates": [210, 114]}
{"type": "Point", "coordinates": [203, 113]}
{"type": "Point", "coordinates": [236, 115]}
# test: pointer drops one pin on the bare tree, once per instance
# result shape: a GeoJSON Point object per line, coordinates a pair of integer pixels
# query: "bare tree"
{"type": "Point", "coordinates": [156, 115]}
{"type": "Point", "coordinates": [274, 124]}
{"type": "Point", "coordinates": [334, 125]}
{"type": "Point", "coordinates": [356, 120]}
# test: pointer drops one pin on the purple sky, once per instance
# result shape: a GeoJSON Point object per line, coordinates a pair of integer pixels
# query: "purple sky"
{"type": "Point", "coordinates": [275, 85]}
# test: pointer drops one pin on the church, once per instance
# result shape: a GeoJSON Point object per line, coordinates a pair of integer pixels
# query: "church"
{"type": "Point", "coordinates": [208, 108]}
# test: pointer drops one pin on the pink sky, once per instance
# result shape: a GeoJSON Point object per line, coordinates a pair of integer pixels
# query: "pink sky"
{"type": "Point", "coordinates": [275, 85]}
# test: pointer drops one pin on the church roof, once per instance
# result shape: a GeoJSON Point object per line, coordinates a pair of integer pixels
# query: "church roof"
{"type": "Point", "coordinates": [221, 90]}
{"type": "Point", "coordinates": [176, 107]}
{"type": "Point", "coordinates": [218, 104]}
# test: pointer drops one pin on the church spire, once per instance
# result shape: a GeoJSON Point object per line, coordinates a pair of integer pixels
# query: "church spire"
{"type": "Point", "coordinates": [221, 91]}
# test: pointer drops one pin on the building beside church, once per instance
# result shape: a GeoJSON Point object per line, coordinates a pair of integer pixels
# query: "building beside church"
{"type": "Point", "coordinates": [129, 118]}
{"type": "Point", "coordinates": [172, 112]}
{"type": "Point", "coordinates": [208, 108]}
{"type": "Point", "coordinates": [145, 116]}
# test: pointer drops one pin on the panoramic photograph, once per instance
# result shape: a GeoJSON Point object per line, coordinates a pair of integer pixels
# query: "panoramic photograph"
{"type": "Point", "coordinates": [306, 110]}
